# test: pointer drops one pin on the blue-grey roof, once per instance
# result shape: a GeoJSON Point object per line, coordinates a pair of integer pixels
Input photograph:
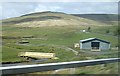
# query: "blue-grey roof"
{"type": "Point", "coordinates": [91, 39]}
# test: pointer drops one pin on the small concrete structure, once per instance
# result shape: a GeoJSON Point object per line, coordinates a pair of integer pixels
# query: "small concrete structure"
{"type": "Point", "coordinates": [94, 44]}
{"type": "Point", "coordinates": [83, 30]}
{"type": "Point", "coordinates": [76, 45]}
{"type": "Point", "coordinates": [23, 42]}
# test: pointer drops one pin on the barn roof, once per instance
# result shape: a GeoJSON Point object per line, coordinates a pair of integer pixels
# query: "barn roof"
{"type": "Point", "coordinates": [91, 39]}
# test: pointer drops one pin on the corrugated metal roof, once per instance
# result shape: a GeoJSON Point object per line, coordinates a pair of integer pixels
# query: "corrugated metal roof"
{"type": "Point", "coordinates": [91, 39]}
{"type": "Point", "coordinates": [86, 39]}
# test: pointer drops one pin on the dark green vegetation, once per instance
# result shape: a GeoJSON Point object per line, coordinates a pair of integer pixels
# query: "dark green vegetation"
{"type": "Point", "coordinates": [55, 32]}
{"type": "Point", "coordinates": [106, 18]}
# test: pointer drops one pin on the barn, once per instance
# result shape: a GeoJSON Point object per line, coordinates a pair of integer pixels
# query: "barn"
{"type": "Point", "coordinates": [94, 43]}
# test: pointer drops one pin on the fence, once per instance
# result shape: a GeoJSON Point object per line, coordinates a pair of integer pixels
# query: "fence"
{"type": "Point", "coordinates": [54, 66]}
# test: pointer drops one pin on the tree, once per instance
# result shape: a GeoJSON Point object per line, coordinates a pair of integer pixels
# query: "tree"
{"type": "Point", "coordinates": [107, 31]}
{"type": "Point", "coordinates": [117, 32]}
{"type": "Point", "coordinates": [89, 29]}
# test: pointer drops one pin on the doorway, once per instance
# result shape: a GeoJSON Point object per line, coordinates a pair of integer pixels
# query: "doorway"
{"type": "Point", "coordinates": [95, 45]}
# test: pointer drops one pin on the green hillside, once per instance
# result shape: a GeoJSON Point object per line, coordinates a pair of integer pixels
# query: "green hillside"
{"type": "Point", "coordinates": [51, 30]}
{"type": "Point", "coordinates": [51, 19]}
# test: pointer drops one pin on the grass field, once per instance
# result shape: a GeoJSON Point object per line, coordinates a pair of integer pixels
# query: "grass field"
{"type": "Point", "coordinates": [48, 39]}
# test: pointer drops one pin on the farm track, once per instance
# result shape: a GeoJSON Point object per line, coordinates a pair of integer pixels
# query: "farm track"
{"type": "Point", "coordinates": [97, 53]}
{"type": "Point", "coordinates": [58, 46]}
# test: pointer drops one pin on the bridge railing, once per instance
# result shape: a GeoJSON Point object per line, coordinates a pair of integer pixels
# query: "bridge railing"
{"type": "Point", "coordinates": [53, 66]}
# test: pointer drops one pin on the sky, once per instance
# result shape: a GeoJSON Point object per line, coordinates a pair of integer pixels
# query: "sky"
{"type": "Point", "coordinates": [15, 9]}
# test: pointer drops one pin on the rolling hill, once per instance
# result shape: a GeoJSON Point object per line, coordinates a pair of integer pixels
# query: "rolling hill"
{"type": "Point", "coordinates": [105, 18]}
{"type": "Point", "coordinates": [57, 32]}
{"type": "Point", "coordinates": [49, 18]}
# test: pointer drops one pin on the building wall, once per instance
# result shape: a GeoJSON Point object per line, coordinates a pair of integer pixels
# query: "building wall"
{"type": "Point", "coordinates": [104, 46]}
{"type": "Point", "coordinates": [87, 45]}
